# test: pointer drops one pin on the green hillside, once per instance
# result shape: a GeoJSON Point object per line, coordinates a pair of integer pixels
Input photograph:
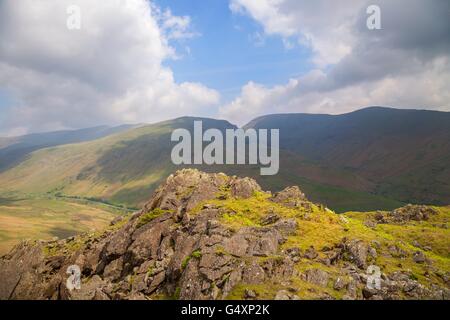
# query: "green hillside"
{"type": "Point", "coordinates": [45, 217]}
{"type": "Point", "coordinates": [376, 158]}
{"type": "Point", "coordinates": [16, 149]}
{"type": "Point", "coordinates": [399, 154]}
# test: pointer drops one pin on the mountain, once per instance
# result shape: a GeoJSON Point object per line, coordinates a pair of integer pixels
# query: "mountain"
{"type": "Point", "coordinates": [374, 158]}
{"type": "Point", "coordinates": [122, 168]}
{"type": "Point", "coordinates": [211, 236]}
{"type": "Point", "coordinates": [16, 149]}
{"type": "Point", "coordinates": [399, 154]}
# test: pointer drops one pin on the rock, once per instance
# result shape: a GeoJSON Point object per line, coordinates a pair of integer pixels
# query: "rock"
{"type": "Point", "coordinates": [136, 296]}
{"type": "Point", "coordinates": [249, 294]}
{"type": "Point", "coordinates": [372, 252]}
{"type": "Point", "coordinates": [419, 257]}
{"type": "Point", "coordinates": [286, 226]}
{"type": "Point", "coordinates": [397, 252]}
{"type": "Point", "coordinates": [181, 245]}
{"type": "Point", "coordinates": [114, 269]}
{"type": "Point", "coordinates": [411, 212]}
{"type": "Point", "coordinates": [369, 292]}
{"type": "Point", "coordinates": [352, 290]}
{"type": "Point", "coordinates": [370, 224]}
{"type": "Point", "coordinates": [286, 295]}
{"type": "Point", "coordinates": [317, 277]}
{"type": "Point", "coordinates": [94, 289]}
{"type": "Point", "coordinates": [244, 188]}
{"type": "Point", "coordinates": [340, 283]}
{"type": "Point", "coordinates": [271, 218]}
{"type": "Point", "coordinates": [311, 253]}
{"type": "Point", "coordinates": [291, 197]}
{"type": "Point", "coordinates": [293, 252]}
{"type": "Point", "coordinates": [416, 244]}
{"type": "Point", "coordinates": [357, 252]}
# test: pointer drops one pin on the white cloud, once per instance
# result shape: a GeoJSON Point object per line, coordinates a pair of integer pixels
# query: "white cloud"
{"type": "Point", "coordinates": [111, 71]}
{"type": "Point", "coordinates": [322, 25]}
{"type": "Point", "coordinates": [406, 65]}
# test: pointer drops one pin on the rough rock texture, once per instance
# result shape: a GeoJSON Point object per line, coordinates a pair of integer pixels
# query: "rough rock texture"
{"type": "Point", "coordinates": [210, 236]}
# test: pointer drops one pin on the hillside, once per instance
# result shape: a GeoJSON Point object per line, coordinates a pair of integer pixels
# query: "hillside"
{"type": "Point", "coordinates": [375, 158]}
{"type": "Point", "coordinates": [14, 150]}
{"type": "Point", "coordinates": [122, 168]}
{"type": "Point", "coordinates": [211, 236]}
{"type": "Point", "coordinates": [400, 154]}
{"type": "Point", "coordinates": [47, 217]}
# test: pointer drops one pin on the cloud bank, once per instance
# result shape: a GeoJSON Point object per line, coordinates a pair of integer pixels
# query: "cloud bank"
{"type": "Point", "coordinates": [110, 71]}
{"type": "Point", "coordinates": [405, 64]}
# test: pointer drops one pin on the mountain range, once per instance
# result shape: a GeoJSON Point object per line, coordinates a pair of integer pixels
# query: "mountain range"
{"type": "Point", "coordinates": [370, 159]}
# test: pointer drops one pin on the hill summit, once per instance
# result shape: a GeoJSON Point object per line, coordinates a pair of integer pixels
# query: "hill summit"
{"type": "Point", "coordinates": [213, 236]}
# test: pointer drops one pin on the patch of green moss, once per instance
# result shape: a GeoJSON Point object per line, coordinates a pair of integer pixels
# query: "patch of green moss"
{"type": "Point", "coordinates": [150, 216]}
{"type": "Point", "coordinates": [196, 254]}
{"type": "Point", "coordinates": [149, 271]}
{"type": "Point", "coordinates": [68, 247]}
{"type": "Point", "coordinates": [177, 293]}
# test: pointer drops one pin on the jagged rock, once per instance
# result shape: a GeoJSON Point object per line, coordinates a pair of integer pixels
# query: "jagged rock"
{"type": "Point", "coordinates": [180, 245]}
{"type": "Point", "coordinates": [94, 289]}
{"type": "Point", "coordinates": [114, 269]}
{"type": "Point", "coordinates": [291, 196]}
{"type": "Point", "coordinates": [357, 252]}
{"type": "Point", "coordinates": [411, 212]}
{"type": "Point", "coordinates": [369, 292]}
{"type": "Point", "coordinates": [244, 188]}
{"type": "Point", "coordinates": [317, 277]}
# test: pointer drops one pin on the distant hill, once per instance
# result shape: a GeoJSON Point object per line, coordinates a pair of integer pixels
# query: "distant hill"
{"type": "Point", "coordinates": [14, 150]}
{"type": "Point", "coordinates": [400, 154]}
{"type": "Point", "coordinates": [375, 158]}
{"type": "Point", "coordinates": [123, 168]}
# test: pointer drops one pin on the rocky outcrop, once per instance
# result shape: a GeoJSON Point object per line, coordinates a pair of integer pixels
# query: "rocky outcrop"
{"type": "Point", "coordinates": [405, 214]}
{"type": "Point", "coordinates": [199, 237]}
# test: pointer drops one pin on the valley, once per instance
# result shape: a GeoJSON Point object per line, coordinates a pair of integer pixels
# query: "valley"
{"type": "Point", "coordinates": [27, 216]}
{"type": "Point", "coordinates": [371, 159]}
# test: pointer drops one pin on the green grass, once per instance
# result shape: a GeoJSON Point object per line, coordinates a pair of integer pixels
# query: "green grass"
{"type": "Point", "coordinates": [150, 216]}
{"type": "Point", "coordinates": [125, 168]}
{"type": "Point", "coordinates": [45, 217]}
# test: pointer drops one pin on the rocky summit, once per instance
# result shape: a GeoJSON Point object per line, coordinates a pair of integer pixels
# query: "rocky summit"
{"type": "Point", "coordinates": [212, 236]}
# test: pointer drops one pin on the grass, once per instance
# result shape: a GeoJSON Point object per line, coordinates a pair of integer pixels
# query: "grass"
{"type": "Point", "coordinates": [45, 217]}
{"type": "Point", "coordinates": [125, 168]}
{"type": "Point", "coordinates": [197, 254]}
{"type": "Point", "coordinates": [150, 216]}
{"type": "Point", "coordinates": [321, 228]}
{"type": "Point", "coordinates": [249, 212]}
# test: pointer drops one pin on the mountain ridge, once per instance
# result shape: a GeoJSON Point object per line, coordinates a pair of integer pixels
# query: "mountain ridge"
{"type": "Point", "coordinates": [331, 160]}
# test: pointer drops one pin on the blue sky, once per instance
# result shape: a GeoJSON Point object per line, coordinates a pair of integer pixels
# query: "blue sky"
{"type": "Point", "coordinates": [227, 53]}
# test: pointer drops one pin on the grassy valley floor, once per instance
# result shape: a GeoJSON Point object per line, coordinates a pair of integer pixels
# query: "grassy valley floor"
{"type": "Point", "coordinates": [26, 216]}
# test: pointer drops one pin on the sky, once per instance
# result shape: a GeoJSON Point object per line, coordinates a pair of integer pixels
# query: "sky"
{"type": "Point", "coordinates": [140, 61]}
